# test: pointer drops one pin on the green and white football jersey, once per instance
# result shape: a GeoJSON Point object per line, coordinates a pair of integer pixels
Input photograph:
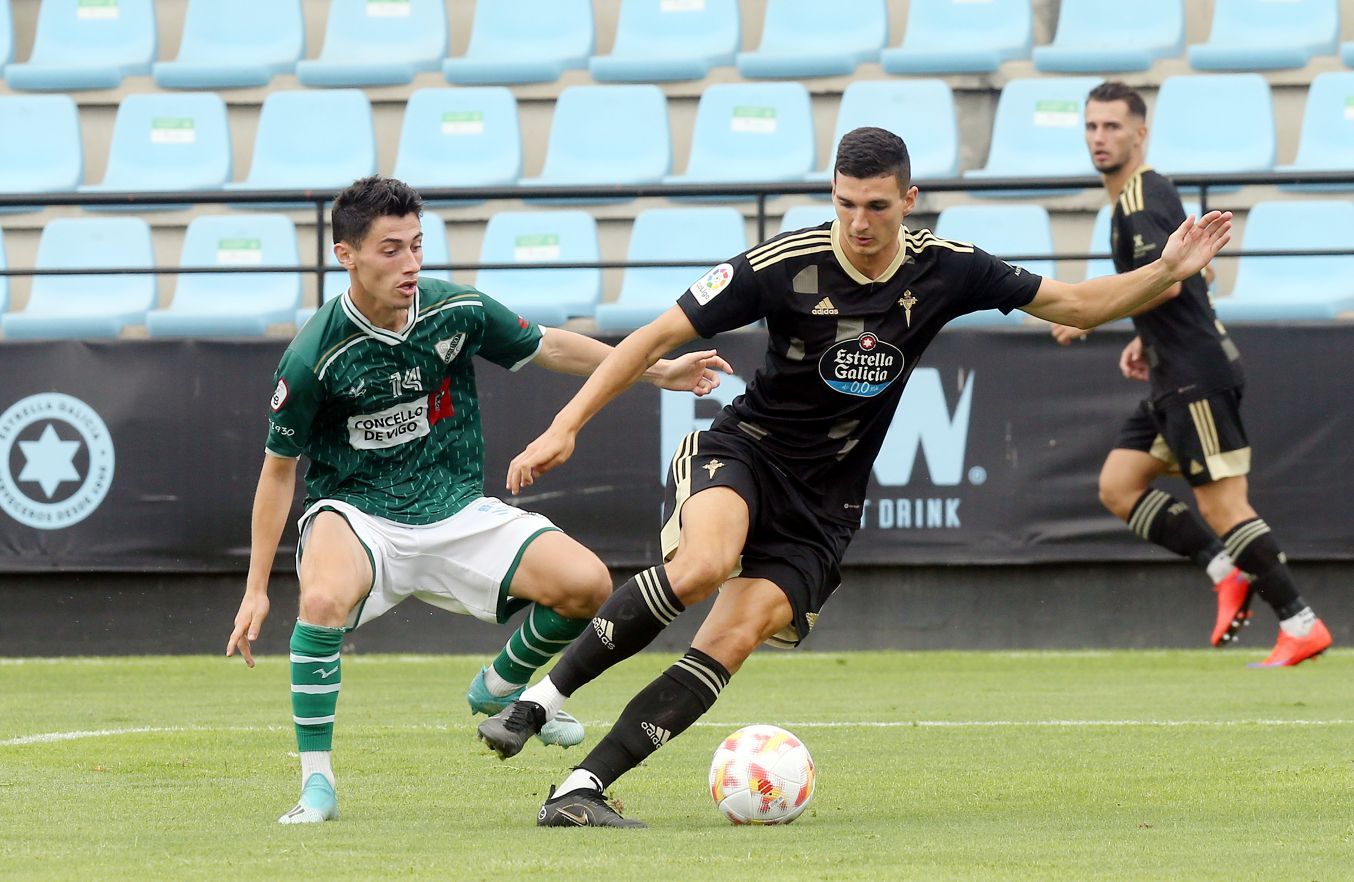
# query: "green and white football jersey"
{"type": "Point", "coordinates": [390, 419]}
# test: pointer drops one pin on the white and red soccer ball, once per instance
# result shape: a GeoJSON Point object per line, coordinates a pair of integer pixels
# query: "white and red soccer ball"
{"type": "Point", "coordinates": [761, 775]}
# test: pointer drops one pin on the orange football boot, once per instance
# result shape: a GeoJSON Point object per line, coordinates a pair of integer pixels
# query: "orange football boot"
{"type": "Point", "coordinates": [1234, 607]}
{"type": "Point", "coordinates": [1291, 650]}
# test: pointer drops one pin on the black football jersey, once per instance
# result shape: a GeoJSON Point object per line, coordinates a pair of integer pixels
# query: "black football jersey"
{"type": "Point", "coordinates": [1188, 351]}
{"type": "Point", "coordinates": [841, 345]}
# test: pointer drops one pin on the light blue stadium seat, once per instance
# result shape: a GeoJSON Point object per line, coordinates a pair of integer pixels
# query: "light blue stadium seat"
{"type": "Point", "coordinates": [1000, 230]}
{"type": "Point", "coordinates": [1279, 288]}
{"type": "Point", "coordinates": [87, 44]}
{"type": "Point", "coordinates": [87, 306]}
{"type": "Point", "coordinates": [615, 134]}
{"type": "Point", "coordinates": [378, 43]}
{"type": "Point", "coordinates": [51, 163]}
{"type": "Point", "coordinates": [1268, 35]}
{"type": "Point", "coordinates": [240, 44]}
{"type": "Point", "coordinates": [1095, 37]}
{"type": "Point", "coordinates": [1212, 123]}
{"type": "Point", "coordinates": [232, 304]}
{"type": "Point", "coordinates": [919, 111]}
{"type": "Point", "coordinates": [464, 137]}
{"type": "Point", "coordinates": [709, 235]}
{"type": "Point", "coordinates": [809, 38]}
{"type": "Point", "coordinates": [547, 296]}
{"type": "Point", "coordinates": [525, 41]}
{"type": "Point", "coordinates": [1100, 239]}
{"type": "Point", "coordinates": [168, 141]}
{"type": "Point", "coordinates": [802, 217]}
{"type": "Point", "coordinates": [961, 36]}
{"type": "Point", "coordinates": [667, 40]}
{"type": "Point", "coordinates": [315, 139]}
{"type": "Point", "coordinates": [1327, 139]}
{"type": "Point", "coordinates": [1037, 131]}
{"type": "Point", "coordinates": [751, 132]}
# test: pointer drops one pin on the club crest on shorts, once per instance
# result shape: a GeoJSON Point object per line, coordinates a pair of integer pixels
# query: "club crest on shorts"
{"type": "Point", "coordinates": [864, 366]}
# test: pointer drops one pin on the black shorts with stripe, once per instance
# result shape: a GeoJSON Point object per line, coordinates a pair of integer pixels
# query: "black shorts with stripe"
{"type": "Point", "coordinates": [788, 543]}
{"type": "Point", "coordinates": [1201, 440]}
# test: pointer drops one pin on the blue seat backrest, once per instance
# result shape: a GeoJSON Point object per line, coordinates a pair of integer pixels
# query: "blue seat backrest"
{"type": "Point", "coordinates": [752, 131]}
{"type": "Point", "coordinates": [541, 238]}
{"type": "Point", "coordinates": [859, 28]}
{"type": "Point", "coordinates": [462, 137]}
{"type": "Point", "coordinates": [560, 29]}
{"type": "Point", "coordinates": [935, 24]}
{"type": "Point", "coordinates": [675, 29]}
{"type": "Point", "coordinates": [803, 216]}
{"type": "Point", "coordinates": [236, 240]}
{"type": "Point", "coordinates": [1297, 225]}
{"type": "Point", "coordinates": [1212, 123]}
{"type": "Point", "coordinates": [606, 134]}
{"type": "Point", "coordinates": [1002, 230]}
{"type": "Point", "coordinates": [1327, 138]}
{"type": "Point", "coordinates": [268, 33]}
{"type": "Point", "coordinates": [920, 111]}
{"type": "Point", "coordinates": [54, 161]}
{"type": "Point", "coordinates": [96, 32]}
{"type": "Point", "coordinates": [169, 141]}
{"type": "Point", "coordinates": [370, 30]}
{"type": "Point", "coordinates": [709, 235]}
{"type": "Point", "coordinates": [87, 243]}
{"type": "Point", "coordinates": [1038, 128]}
{"type": "Point", "coordinates": [313, 138]}
{"type": "Point", "coordinates": [1115, 36]}
{"type": "Point", "coordinates": [1310, 23]}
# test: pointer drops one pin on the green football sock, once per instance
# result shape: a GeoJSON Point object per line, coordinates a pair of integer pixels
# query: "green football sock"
{"type": "Point", "coordinates": [315, 680]}
{"type": "Point", "coordinates": [542, 635]}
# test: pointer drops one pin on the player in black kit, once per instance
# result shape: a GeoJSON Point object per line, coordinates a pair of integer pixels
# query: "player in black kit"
{"type": "Point", "coordinates": [1191, 422]}
{"type": "Point", "coordinates": [764, 503]}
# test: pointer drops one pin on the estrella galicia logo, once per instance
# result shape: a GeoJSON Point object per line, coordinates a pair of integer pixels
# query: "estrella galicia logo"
{"type": "Point", "coordinates": [864, 366]}
{"type": "Point", "coordinates": [56, 461]}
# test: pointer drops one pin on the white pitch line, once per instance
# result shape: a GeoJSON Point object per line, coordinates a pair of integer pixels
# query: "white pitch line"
{"type": "Point", "coordinates": [53, 737]}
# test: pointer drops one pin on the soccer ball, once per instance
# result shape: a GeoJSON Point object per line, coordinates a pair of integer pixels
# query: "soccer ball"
{"type": "Point", "coordinates": [761, 775]}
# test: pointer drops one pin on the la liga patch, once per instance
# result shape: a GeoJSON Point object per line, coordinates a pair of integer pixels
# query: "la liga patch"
{"type": "Point", "coordinates": [708, 286]}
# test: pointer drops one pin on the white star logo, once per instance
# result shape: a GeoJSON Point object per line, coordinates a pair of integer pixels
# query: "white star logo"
{"type": "Point", "coordinates": [49, 461]}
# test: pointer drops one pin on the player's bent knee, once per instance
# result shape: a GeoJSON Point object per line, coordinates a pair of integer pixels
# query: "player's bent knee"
{"type": "Point", "coordinates": [318, 607]}
{"type": "Point", "coordinates": [695, 577]}
{"type": "Point", "coordinates": [586, 589]}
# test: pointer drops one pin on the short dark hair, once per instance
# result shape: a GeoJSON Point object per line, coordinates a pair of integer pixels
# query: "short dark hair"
{"type": "Point", "coordinates": [366, 199]}
{"type": "Point", "coordinates": [869, 152]}
{"type": "Point", "coordinates": [1113, 90]}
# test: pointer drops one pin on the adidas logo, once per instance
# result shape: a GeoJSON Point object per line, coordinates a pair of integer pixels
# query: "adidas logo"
{"type": "Point", "coordinates": [657, 734]}
{"type": "Point", "coordinates": [605, 632]}
{"type": "Point", "coordinates": [825, 307]}
{"type": "Point", "coordinates": [1194, 467]}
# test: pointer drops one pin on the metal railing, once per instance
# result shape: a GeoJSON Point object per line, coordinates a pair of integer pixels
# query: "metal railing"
{"type": "Point", "coordinates": [759, 192]}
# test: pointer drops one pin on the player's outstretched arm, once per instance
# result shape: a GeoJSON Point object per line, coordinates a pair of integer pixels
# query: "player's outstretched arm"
{"type": "Point", "coordinates": [568, 353]}
{"type": "Point", "coordinates": [629, 361]}
{"type": "Point", "coordinates": [272, 504]}
{"type": "Point", "coordinates": [1096, 301]}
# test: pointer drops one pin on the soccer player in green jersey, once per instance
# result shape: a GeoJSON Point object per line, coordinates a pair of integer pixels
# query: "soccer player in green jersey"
{"type": "Point", "coordinates": [378, 391]}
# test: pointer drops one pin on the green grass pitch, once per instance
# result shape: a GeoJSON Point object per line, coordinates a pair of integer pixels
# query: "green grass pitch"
{"type": "Point", "coordinates": [991, 766]}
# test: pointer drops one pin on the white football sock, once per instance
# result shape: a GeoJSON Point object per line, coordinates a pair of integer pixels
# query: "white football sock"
{"type": "Point", "coordinates": [547, 696]}
{"type": "Point", "coordinates": [1220, 566]}
{"type": "Point", "coordinates": [579, 779]}
{"type": "Point", "coordinates": [1299, 625]}
{"type": "Point", "coordinates": [495, 683]}
{"type": "Point", "coordinates": [313, 761]}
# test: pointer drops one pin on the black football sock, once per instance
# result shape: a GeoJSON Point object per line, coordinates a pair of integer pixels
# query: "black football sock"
{"type": "Point", "coordinates": [630, 619]}
{"type": "Point", "coordinates": [1166, 521]}
{"type": "Point", "coordinates": [660, 712]}
{"type": "Point", "coordinates": [1253, 548]}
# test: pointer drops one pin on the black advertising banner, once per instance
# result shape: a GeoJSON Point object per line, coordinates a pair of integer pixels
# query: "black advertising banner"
{"type": "Point", "coordinates": [143, 455]}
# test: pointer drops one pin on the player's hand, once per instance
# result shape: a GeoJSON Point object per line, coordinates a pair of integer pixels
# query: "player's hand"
{"type": "Point", "coordinates": [1065, 334]}
{"type": "Point", "coordinates": [552, 448]}
{"type": "Point", "coordinates": [693, 372]}
{"type": "Point", "coordinates": [248, 621]}
{"type": "Point", "coordinates": [1195, 243]}
{"type": "Point", "coordinates": [1131, 361]}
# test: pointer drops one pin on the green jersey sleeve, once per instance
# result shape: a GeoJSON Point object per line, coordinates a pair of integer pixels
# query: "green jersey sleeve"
{"type": "Point", "coordinates": [291, 412]}
{"type": "Point", "coordinates": [509, 340]}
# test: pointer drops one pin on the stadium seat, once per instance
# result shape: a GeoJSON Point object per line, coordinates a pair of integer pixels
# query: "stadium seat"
{"type": "Point", "coordinates": [616, 134]}
{"type": "Point", "coordinates": [1326, 142]}
{"type": "Point", "coordinates": [961, 36]}
{"type": "Point", "coordinates": [1098, 37]}
{"type": "Point", "coordinates": [751, 132]}
{"type": "Point", "coordinates": [667, 40]}
{"type": "Point", "coordinates": [466, 137]}
{"type": "Point", "coordinates": [1100, 240]}
{"type": "Point", "coordinates": [1037, 131]}
{"type": "Point", "coordinates": [168, 141]}
{"type": "Point", "coordinates": [708, 235]}
{"type": "Point", "coordinates": [1000, 230]}
{"type": "Point", "coordinates": [801, 217]}
{"type": "Point", "coordinates": [547, 296]}
{"type": "Point", "coordinates": [232, 304]}
{"type": "Point", "coordinates": [87, 305]}
{"type": "Point", "coordinates": [1268, 35]}
{"type": "Point", "coordinates": [240, 44]}
{"type": "Point", "coordinates": [87, 44]}
{"type": "Point", "coordinates": [1279, 288]}
{"type": "Point", "coordinates": [378, 43]}
{"type": "Point", "coordinates": [1212, 123]}
{"type": "Point", "coordinates": [809, 38]}
{"type": "Point", "coordinates": [50, 164]}
{"type": "Point", "coordinates": [526, 41]}
{"type": "Point", "coordinates": [320, 140]}
{"type": "Point", "coordinates": [920, 111]}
